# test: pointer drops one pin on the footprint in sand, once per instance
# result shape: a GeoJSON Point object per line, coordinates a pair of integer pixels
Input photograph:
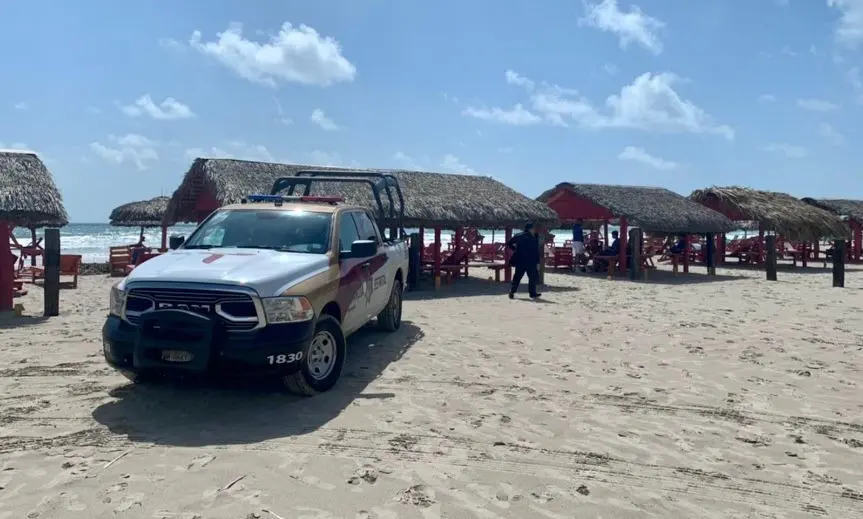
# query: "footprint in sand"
{"type": "Point", "coordinates": [417, 495]}
{"type": "Point", "coordinates": [366, 473]}
{"type": "Point", "coordinates": [200, 462]}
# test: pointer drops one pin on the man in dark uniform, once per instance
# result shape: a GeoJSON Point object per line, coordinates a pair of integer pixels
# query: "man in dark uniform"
{"type": "Point", "coordinates": [525, 258]}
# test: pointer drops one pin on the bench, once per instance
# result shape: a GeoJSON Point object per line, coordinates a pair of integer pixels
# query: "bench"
{"type": "Point", "coordinates": [496, 268]}
{"type": "Point", "coordinates": [70, 265]}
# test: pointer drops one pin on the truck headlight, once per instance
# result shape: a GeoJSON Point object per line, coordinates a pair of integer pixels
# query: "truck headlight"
{"type": "Point", "coordinates": [279, 310]}
{"type": "Point", "coordinates": [117, 301]}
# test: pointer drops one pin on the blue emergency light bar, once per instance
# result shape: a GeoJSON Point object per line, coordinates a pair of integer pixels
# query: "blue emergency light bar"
{"type": "Point", "coordinates": [280, 199]}
{"type": "Point", "coordinates": [265, 198]}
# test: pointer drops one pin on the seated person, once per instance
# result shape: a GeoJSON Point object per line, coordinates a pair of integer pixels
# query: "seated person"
{"type": "Point", "coordinates": [136, 250]}
{"type": "Point", "coordinates": [679, 247]}
{"type": "Point", "coordinates": [600, 261]}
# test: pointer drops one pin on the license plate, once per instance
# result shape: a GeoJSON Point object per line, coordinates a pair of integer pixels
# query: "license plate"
{"type": "Point", "coordinates": [176, 356]}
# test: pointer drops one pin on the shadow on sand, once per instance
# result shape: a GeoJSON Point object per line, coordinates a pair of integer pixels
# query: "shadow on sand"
{"type": "Point", "coordinates": [242, 412]}
{"type": "Point", "coordinates": [659, 277]}
{"type": "Point", "coordinates": [11, 321]}
{"type": "Point", "coordinates": [813, 267]}
{"type": "Point", "coordinates": [475, 286]}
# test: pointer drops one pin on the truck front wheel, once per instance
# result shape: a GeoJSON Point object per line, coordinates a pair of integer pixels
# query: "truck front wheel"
{"type": "Point", "coordinates": [323, 360]}
{"type": "Point", "coordinates": [390, 318]}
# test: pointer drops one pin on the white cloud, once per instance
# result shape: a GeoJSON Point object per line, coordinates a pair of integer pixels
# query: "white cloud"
{"type": "Point", "coordinates": [853, 76]}
{"type": "Point", "coordinates": [634, 154]}
{"type": "Point", "coordinates": [767, 98]}
{"type": "Point", "coordinates": [320, 118]}
{"type": "Point", "coordinates": [170, 44]}
{"type": "Point", "coordinates": [849, 30]}
{"type": "Point", "coordinates": [649, 103]}
{"type": "Point", "coordinates": [21, 105]}
{"type": "Point", "coordinates": [514, 78]}
{"type": "Point", "coordinates": [323, 158]}
{"type": "Point", "coordinates": [131, 147]}
{"type": "Point", "coordinates": [788, 150]}
{"type": "Point", "coordinates": [633, 26]}
{"type": "Point", "coordinates": [518, 115]}
{"type": "Point", "coordinates": [294, 55]}
{"type": "Point", "coordinates": [15, 146]}
{"type": "Point", "coordinates": [233, 150]}
{"type": "Point", "coordinates": [168, 109]}
{"type": "Point", "coordinates": [452, 164]}
{"type": "Point", "coordinates": [610, 69]}
{"type": "Point", "coordinates": [831, 135]}
{"type": "Point", "coordinates": [287, 121]}
{"type": "Point", "coordinates": [817, 105]}
{"type": "Point", "coordinates": [404, 160]}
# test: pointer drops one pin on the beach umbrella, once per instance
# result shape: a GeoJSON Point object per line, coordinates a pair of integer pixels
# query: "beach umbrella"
{"type": "Point", "coordinates": [28, 198]}
{"type": "Point", "coordinates": [143, 214]}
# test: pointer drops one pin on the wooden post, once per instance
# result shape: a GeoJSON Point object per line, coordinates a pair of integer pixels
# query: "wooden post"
{"type": "Point", "coordinates": [720, 249]}
{"type": "Point", "coordinates": [33, 243]}
{"type": "Point", "coordinates": [415, 262]}
{"type": "Point", "coordinates": [636, 237]}
{"type": "Point", "coordinates": [437, 252]}
{"type": "Point", "coordinates": [164, 247]}
{"type": "Point", "coordinates": [606, 235]}
{"type": "Point", "coordinates": [7, 269]}
{"type": "Point", "coordinates": [422, 242]}
{"type": "Point", "coordinates": [52, 272]}
{"type": "Point", "coordinates": [710, 254]}
{"type": "Point", "coordinates": [687, 251]}
{"type": "Point", "coordinates": [770, 265]}
{"type": "Point", "coordinates": [816, 250]}
{"type": "Point", "coordinates": [839, 263]}
{"type": "Point", "coordinates": [624, 228]}
{"type": "Point", "coordinates": [804, 253]}
{"type": "Point", "coordinates": [507, 254]}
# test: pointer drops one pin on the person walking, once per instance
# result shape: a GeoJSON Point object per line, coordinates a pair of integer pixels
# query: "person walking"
{"type": "Point", "coordinates": [525, 258]}
{"type": "Point", "coordinates": [578, 249]}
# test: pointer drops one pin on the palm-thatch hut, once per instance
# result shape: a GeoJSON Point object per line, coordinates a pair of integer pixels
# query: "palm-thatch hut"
{"type": "Point", "coordinates": [432, 200]}
{"type": "Point", "coordinates": [849, 210]}
{"type": "Point", "coordinates": [143, 214]}
{"type": "Point", "coordinates": [786, 216]}
{"type": "Point", "coordinates": [28, 198]}
{"type": "Point", "coordinates": [440, 200]}
{"type": "Point", "coordinates": [652, 209]}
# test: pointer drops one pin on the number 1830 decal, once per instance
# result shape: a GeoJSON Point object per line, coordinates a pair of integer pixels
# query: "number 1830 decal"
{"type": "Point", "coordinates": [285, 358]}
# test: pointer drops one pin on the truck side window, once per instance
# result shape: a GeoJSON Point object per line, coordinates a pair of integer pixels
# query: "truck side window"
{"type": "Point", "coordinates": [347, 232]}
{"type": "Point", "coordinates": [368, 229]}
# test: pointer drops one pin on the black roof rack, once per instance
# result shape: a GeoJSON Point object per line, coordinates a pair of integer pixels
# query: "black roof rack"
{"type": "Point", "coordinates": [377, 181]}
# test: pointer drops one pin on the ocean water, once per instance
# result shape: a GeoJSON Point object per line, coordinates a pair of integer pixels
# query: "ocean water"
{"type": "Point", "coordinates": [92, 240]}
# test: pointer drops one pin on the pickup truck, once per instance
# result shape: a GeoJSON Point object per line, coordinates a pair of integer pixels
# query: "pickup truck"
{"type": "Point", "coordinates": [272, 286]}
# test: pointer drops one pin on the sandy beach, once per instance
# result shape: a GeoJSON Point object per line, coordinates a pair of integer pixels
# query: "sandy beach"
{"type": "Point", "coordinates": [678, 398]}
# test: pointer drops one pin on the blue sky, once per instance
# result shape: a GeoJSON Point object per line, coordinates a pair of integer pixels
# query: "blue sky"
{"type": "Point", "coordinates": [118, 97]}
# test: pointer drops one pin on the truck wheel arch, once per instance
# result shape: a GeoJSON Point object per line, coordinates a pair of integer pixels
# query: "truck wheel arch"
{"type": "Point", "coordinates": [332, 309]}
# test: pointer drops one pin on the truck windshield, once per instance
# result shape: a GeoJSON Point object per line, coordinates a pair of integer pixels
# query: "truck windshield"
{"type": "Point", "coordinates": [289, 231]}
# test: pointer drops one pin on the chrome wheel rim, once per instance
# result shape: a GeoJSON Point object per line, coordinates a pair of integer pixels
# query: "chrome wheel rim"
{"type": "Point", "coordinates": [322, 355]}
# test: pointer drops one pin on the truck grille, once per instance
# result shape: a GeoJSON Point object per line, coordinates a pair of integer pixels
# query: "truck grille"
{"type": "Point", "coordinates": [236, 311]}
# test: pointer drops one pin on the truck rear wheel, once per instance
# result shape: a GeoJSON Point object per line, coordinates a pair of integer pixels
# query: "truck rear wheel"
{"type": "Point", "coordinates": [390, 318]}
{"type": "Point", "coordinates": [323, 360]}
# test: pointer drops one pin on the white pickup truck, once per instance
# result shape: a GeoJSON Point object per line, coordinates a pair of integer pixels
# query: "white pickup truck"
{"type": "Point", "coordinates": [272, 286]}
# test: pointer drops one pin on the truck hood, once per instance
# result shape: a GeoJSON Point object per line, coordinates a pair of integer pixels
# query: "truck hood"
{"type": "Point", "coordinates": [267, 271]}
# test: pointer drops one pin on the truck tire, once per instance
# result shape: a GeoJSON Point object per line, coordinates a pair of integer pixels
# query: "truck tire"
{"type": "Point", "coordinates": [322, 361]}
{"type": "Point", "coordinates": [390, 318]}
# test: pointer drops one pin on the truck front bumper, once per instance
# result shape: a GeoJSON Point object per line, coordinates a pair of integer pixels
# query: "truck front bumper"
{"type": "Point", "coordinates": [177, 342]}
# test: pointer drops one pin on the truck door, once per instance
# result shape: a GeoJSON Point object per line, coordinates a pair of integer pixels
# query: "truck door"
{"type": "Point", "coordinates": [381, 278]}
{"type": "Point", "coordinates": [356, 282]}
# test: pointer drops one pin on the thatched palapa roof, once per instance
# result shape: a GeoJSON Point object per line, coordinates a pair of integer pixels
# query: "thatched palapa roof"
{"type": "Point", "coordinates": [146, 213]}
{"type": "Point", "coordinates": [653, 209]}
{"type": "Point", "coordinates": [431, 199]}
{"type": "Point", "coordinates": [779, 212]}
{"type": "Point", "coordinates": [28, 195]}
{"type": "Point", "coordinates": [842, 207]}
